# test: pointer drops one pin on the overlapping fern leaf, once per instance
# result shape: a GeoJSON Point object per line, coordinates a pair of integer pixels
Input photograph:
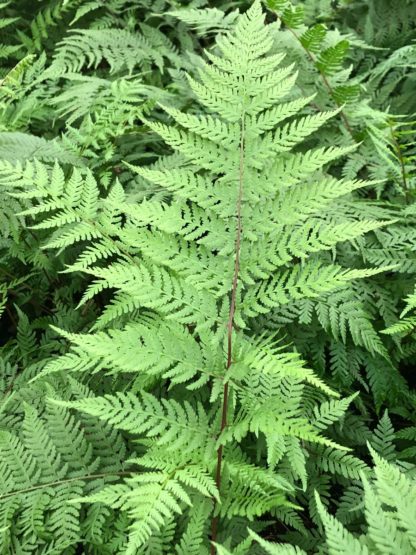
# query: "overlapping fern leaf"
{"type": "Point", "coordinates": [46, 462]}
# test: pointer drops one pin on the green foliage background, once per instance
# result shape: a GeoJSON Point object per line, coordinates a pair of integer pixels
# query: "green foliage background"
{"type": "Point", "coordinates": [207, 277]}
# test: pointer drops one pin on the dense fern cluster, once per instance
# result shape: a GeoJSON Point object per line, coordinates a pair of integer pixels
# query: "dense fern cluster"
{"type": "Point", "coordinates": [207, 277]}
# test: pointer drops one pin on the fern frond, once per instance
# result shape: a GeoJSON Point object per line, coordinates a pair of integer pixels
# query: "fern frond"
{"type": "Point", "coordinates": [274, 548]}
{"type": "Point", "coordinates": [338, 539]}
{"type": "Point", "coordinates": [205, 20]}
{"type": "Point", "coordinates": [89, 47]}
{"type": "Point", "coordinates": [175, 425]}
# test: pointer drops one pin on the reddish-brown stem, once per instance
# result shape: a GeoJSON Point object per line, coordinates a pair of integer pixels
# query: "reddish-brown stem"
{"type": "Point", "coordinates": [323, 77]}
{"type": "Point", "coordinates": [10, 315]}
{"type": "Point", "coordinates": [65, 481]}
{"type": "Point", "coordinates": [230, 327]}
{"type": "Point", "coordinates": [402, 165]}
{"type": "Point", "coordinates": [342, 113]}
